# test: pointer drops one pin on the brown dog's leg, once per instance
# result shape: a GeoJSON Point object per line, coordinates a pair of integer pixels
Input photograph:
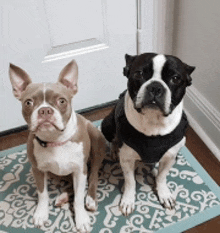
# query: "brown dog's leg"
{"type": "Point", "coordinates": [81, 216]}
{"type": "Point", "coordinates": [98, 151]}
{"type": "Point", "coordinates": [42, 211]}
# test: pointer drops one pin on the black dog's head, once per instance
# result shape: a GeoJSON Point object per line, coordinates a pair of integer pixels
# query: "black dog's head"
{"type": "Point", "coordinates": [157, 81]}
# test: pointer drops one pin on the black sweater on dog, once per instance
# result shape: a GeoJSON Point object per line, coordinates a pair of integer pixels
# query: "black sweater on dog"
{"type": "Point", "coordinates": [149, 148]}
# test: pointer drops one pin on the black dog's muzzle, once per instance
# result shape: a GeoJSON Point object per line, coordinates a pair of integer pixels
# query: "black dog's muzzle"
{"type": "Point", "coordinates": [154, 97]}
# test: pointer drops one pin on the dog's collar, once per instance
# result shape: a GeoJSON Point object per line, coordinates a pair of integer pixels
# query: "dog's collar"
{"type": "Point", "coordinates": [50, 144]}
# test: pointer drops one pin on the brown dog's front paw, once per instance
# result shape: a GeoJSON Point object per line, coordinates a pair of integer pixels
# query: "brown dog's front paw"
{"type": "Point", "coordinates": [82, 221]}
{"type": "Point", "coordinates": [91, 204]}
{"type": "Point", "coordinates": [41, 215]}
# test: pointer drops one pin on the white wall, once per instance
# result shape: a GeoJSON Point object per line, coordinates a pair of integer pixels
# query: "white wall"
{"type": "Point", "coordinates": [196, 40]}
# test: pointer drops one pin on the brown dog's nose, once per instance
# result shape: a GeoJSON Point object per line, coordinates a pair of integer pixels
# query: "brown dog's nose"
{"type": "Point", "coordinates": [45, 112]}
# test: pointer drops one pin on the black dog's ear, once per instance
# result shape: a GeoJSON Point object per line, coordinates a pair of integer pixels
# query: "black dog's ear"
{"type": "Point", "coordinates": [129, 60]}
{"type": "Point", "coordinates": [189, 70]}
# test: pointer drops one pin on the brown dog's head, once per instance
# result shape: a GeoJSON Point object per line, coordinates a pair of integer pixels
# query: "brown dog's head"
{"type": "Point", "coordinates": [45, 106]}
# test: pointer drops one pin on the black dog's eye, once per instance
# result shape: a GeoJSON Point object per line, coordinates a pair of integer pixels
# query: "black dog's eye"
{"type": "Point", "coordinates": [138, 74]}
{"type": "Point", "coordinates": [176, 80]}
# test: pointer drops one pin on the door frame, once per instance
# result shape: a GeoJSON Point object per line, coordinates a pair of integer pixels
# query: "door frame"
{"type": "Point", "coordinates": [155, 26]}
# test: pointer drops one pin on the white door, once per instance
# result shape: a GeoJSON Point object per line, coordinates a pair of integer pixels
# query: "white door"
{"type": "Point", "coordinates": [42, 36]}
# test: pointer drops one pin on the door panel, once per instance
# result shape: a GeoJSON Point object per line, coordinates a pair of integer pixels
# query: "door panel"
{"type": "Point", "coordinates": [42, 36]}
{"type": "Point", "coordinates": [81, 29]}
{"type": "Point", "coordinates": [87, 15]}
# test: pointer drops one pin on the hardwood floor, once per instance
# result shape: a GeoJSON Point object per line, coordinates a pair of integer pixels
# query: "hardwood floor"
{"type": "Point", "coordinates": [211, 164]}
{"type": "Point", "coordinates": [193, 143]}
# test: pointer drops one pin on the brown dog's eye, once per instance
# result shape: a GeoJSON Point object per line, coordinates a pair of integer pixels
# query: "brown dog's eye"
{"type": "Point", "coordinates": [29, 102]}
{"type": "Point", "coordinates": [61, 101]}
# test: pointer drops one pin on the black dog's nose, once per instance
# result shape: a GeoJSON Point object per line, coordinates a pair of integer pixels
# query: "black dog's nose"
{"type": "Point", "coordinates": [155, 89]}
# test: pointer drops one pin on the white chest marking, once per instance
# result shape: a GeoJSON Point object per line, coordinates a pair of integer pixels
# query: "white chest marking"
{"type": "Point", "coordinates": [61, 160]}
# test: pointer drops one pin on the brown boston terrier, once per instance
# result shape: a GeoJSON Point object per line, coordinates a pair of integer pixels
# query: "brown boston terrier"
{"type": "Point", "coordinates": [60, 141]}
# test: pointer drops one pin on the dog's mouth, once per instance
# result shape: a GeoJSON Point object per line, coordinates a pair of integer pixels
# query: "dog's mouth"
{"type": "Point", "coordinates": [152, 105]}
{"type": "Point", "coordinates": [47, 126]}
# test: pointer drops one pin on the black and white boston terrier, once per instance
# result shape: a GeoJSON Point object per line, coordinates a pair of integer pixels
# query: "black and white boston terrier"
{"type": "Point", "coordinates": [148, 122]}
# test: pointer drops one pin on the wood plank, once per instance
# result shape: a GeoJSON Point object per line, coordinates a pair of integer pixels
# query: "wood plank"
{"type": "Point", "coordinates": [205, 157]}
{"type": "Point", "coordinates": [13, 140]}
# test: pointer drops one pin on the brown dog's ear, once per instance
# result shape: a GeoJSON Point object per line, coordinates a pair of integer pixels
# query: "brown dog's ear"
{"type": "Point", "coordinates": [19, 80]}
{"type": "Point", "coordinates": [69, 76]}
{"type": "Point", "coordinates": [189, 70]}
{"type": "Point", "coordinates": [129, 60]}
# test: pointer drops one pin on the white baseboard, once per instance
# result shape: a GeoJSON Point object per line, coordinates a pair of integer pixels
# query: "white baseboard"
{"type": "Point", "coordinates": [204, 119]}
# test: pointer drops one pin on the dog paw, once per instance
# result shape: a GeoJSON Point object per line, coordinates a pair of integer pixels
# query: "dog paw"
{"type": "Point", "coordinates": [127, 204]}
{"type": "Point", "coordinates": [165, 197]}
{"type": "Point", "coordinates": [91, 204]}
{"type": "Point", "coordinates": [40, 216]}
{"type": "Point", "coordinates": [82, 222]}
{"type": "Point", "coordinates": [62, 199]}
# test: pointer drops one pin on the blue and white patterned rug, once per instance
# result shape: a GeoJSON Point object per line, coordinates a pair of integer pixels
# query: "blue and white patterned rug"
{"type": "Point", "coordinates": [197, 195]}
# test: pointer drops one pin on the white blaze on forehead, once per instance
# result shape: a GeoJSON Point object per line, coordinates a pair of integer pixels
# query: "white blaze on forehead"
{"type": "Point", "coordinates": [44, 92]}
{"type": "Point", "coordinates": [158, 64]}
